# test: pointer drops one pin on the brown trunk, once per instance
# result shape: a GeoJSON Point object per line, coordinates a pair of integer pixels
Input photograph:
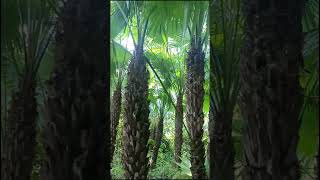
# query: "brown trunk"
{"type": "Point", "coordinates": [19, 145]}
{"type": "Point", "coordinates": [153, 133]}
{"type": "Point", "coordinates": [178, 138]}
{"type": "Point", "coordinates": [115, 116]}
{"type": "Point", "coordinates": [222, 151]}
{"type": "Point", "coordinates": [76, 126]}
{"type": "Point", "coordinates": [195, 98]}
{"type": "Point", "coordinates": [136, 119]}
{"type": "Point", "coordinates": [271, 97]}
{"type": "Point", "coordinates": [158, 138]}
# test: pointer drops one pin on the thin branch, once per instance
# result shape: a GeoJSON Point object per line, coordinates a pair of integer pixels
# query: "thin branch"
{"type": "Point", "coordinates": [40, 56]}
{"type": "Point", "coordinates": [127, 21]}
{"type": "Point", "coordinates": [165, 89]}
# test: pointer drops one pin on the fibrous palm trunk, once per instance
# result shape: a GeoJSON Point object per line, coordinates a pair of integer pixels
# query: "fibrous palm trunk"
{"type": "Point", "coordinates": [77, 110]}
{"type": "Point", "coordinates": [136, 123]}
{"type": "Point", "coordinates": [153, 133]}
{"type": "Point", "coordinates": [19, 150]}
{"type": "Point", "coordinates": [221, 147]}
{"type": "Point", "coordinates": [271, 97]}
{"type": "Point", "coordinates": [195, 98]}
{"type": "Point", "coordinates": [158, 138]}
{"type": "Point", "coordinates": [115, 116]}
{"type": "Point", "coordinates": [178, 138]}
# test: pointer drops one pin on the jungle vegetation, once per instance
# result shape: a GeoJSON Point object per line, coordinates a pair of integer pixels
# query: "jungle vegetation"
{"type": "Point", "coordinates": [219, 90]}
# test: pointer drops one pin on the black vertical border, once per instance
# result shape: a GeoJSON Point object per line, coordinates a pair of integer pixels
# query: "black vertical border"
{"type": "Point", "coordinates": [108, 59]}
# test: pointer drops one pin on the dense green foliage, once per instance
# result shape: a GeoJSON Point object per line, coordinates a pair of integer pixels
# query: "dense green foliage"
{"type": "Point", "coordinates": [166, 48]}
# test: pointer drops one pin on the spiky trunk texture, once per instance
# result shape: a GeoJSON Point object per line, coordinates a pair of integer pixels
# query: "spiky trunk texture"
{"type": "Point", "coordinates": [195, 98]}
{"type": "Point", "coordinates": [153, 133]}
{"type": "Point", "coordinates": [271, 97]}
{"type": "Point", "coordinates": [19, 150]}
{"type": "Point", "coordinates": [115, 116]}
{"type": "Point", "coordinates": [136, 123]}
{"type": "Point", "coordinates": [158, 138]}
{"type": "Point", "coordinates": [222, 150]}
{"type": "Point", "coordinates": [178, 138]}
{"type": "Point", "coordinates": [77, 107]}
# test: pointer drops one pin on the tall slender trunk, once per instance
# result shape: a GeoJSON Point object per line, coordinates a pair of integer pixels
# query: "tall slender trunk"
{"type": "Point", "coordinates": [271, 97]}
{"type": "Point", "coordinates": [136, 122]}
{"type": "Point", "coordinates": [153, 133]}
{"type": "Point", "coordinates": [77, 122]}
{"type": "Point", "coordinates": [178, 138]}
{"type": "Point", "coordinates": [222, 150]}
{"type": "Point", "coordinates": [115, 116]}
{"type": "Point", "coordinates": [158, 138]}
{"type": "Point", "coordinates": [195, 98]}
{"type": "Point", "coordinates": [19, 145]}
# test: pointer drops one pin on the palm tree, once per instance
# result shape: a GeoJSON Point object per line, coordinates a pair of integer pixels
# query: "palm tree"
{"type": "Point", "coordinates": [171, 70]}
{"type": "Point", "coordinates": [117, 71]}
{"type": "Point", "coordinates": [158, 131]}
{"type": "Point", "coordinates": [178, 137]}
{"type": "Point", "coordinates": [77, 110]}
{"type": "Point", "coordinates": [26, 37]}
{"type": "Point", "coordinates": [270, 96]}
{"type": "Point", "coordinates": [136, 107]}
{"type": "Point", "coordinates": [195, 90]}
{"type": "Point", "coordinates": [310, 75]}
{"type": "Point", "coordinates": [194, 96]}
{"type": "Point", "coordinates": [161, 20]}
{"type": "Point", "coordinates": [115, 114]}
{"type": "Point", "coordinates": [224, 86]}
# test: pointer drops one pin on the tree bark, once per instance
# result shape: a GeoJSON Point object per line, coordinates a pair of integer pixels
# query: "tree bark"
{"type": "Point", "coordinates": [19, 142]}
{"type": "Point", "coordinates": [195, 98]}
{"type": "Point", "coordinates": [178, 138]}
{"type": "Point", "coordinates": [222, 154]}
{"type": "Point", "coordinates": [115, 116]}
{"type": "Point", "coordinates": [153, 133]}
{"type": "Point", "coordinates": [271, 97]}
{"type": "Point", "coordinates": [77, 108]}
{"type": "Point", "coordinates": [158, 138]}
{"type": "Point", "coordinates": [136, 120]}
{"type": "Point", "coordinates": [221, 150]}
